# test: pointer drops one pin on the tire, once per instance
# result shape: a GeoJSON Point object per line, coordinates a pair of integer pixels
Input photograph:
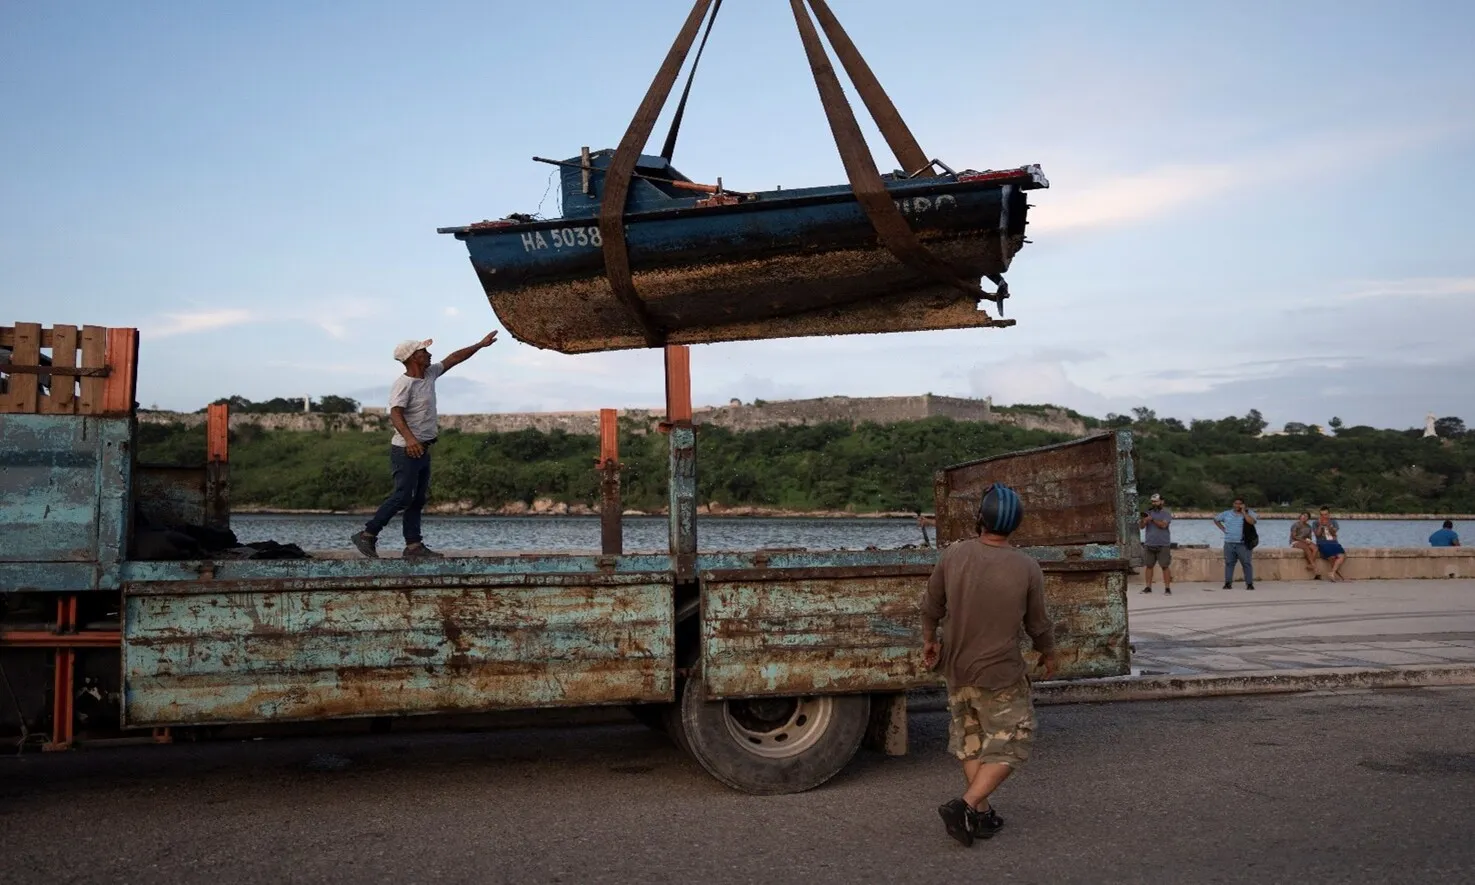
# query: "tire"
{"type": "Point", "coordinates": [768, 746]}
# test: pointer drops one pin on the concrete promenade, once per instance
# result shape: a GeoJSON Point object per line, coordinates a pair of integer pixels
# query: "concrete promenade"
{"type": "Point", "coordinates": [1295, 625]}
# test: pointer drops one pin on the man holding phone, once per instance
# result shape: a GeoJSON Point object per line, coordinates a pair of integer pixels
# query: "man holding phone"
{"type": "Point", "coordinates": [1232, 523]}
{"type": "Point", "coordinates": [1157, 543]}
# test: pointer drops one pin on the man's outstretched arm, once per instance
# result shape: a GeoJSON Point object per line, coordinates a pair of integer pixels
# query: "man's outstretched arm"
{"type": "Point", "coordinates": [457, 357]}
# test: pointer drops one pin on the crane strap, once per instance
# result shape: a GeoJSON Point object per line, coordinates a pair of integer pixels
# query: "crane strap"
{"type": "Point", "coordinates": [891, 227]}
{"type": "Point", "coordinates": [669, 148]}
{"type": "Point", "coordinates": [888, 119]}
{"type": "Point", "coordinates": [621, 168]}
{"type": "Point", "coordinates": [870, 191]}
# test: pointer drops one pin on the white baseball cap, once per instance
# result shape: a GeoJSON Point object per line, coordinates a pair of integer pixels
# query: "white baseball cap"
{"type": "Point", "coordinates": [1156, 498]}
{"type": "Point", "coordinates": [406, 349]}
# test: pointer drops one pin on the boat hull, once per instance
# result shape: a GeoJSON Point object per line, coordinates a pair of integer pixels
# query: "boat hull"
{"type": "Point", "coordinates": [772, 269]}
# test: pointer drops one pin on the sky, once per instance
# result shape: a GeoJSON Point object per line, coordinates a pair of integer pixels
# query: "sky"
{"type": "Point", "coordinates": [1252, 204]}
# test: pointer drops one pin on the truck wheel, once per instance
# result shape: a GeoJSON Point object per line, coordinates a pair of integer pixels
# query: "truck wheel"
{"type": "Point", "coordinates": [767, 746]}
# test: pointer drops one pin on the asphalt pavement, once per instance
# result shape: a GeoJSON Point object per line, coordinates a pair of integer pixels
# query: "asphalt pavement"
{"type": "Point", "coordinates": [1371, 786]}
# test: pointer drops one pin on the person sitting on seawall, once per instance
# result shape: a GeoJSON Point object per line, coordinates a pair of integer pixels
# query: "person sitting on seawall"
{"type": "Point", "coordinates": [1445, 537]}
{"type": "Point", "coordinates": [1331, 550]}
{"type": "Point", "coordinates": [1303, 538]}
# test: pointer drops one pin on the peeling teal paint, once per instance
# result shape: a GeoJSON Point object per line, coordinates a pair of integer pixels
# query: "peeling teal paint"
{"type": "Point", "coordinates": [64, 491]}
{"type": "Point", "coordinates": [302, 654]}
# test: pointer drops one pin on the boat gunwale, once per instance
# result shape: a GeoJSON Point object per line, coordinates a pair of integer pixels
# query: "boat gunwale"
{"type": "Point", "coordinates": [1026, 180]}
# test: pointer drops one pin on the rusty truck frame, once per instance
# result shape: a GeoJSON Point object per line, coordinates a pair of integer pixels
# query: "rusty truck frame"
{"type": "Point", "coordinates": [770, 667]}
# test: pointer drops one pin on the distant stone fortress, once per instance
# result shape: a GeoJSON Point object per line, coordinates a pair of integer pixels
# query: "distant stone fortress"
{"type": "Point", "coordinates": [737, 416]}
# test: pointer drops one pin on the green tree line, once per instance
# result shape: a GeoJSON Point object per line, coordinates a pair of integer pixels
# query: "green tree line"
{"type": "Point", "coordinates": [865, 468]}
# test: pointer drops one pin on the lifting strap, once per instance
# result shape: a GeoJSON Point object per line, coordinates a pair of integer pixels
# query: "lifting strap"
{"type": "Point", "coordinates": [622, 165]}
{"type": "Point", "coordinates": [888, 119]}
{"type": "Point", "coordinates": [890, 225]}
{"type": "Point", "coordinates": [670, 147]}
{"type": "Point", "coordinates": [870, 191]}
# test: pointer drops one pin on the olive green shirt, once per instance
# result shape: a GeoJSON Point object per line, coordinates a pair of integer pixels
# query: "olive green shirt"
{"type": "Point", "coordinates": [986, 593]}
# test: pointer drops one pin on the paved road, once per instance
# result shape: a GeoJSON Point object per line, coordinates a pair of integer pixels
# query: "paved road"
{"type": "Point", "coordinates": [1303, 624]}
{"type": "Point", "coordinates": [1365, 787]}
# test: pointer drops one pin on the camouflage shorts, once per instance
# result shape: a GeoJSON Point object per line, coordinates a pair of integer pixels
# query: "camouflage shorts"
{"type": "Point", "coordinates": [992, 726]}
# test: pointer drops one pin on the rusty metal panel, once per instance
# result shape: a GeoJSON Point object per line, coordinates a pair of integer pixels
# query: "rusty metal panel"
{"type": "Point", "coordinates": [820, 631]}
{"type": "Point", "coordinates": [243, 653]}
{"type": "Point", "coordinates": [168, 495]}
{"type": "Point", "coordinates": [1088, 610]}
{"type": "Point", "coordinates": [64, 485]}
{"type": "Point", "coordinates": [791, 632]}
{"type": "Point", "coordinates": [1075, 493]}
{"type": "Point", "coordinates": [250, 575]}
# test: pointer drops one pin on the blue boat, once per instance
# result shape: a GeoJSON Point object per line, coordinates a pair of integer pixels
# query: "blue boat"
{"type": "Point", "coordinates": [710, 264]}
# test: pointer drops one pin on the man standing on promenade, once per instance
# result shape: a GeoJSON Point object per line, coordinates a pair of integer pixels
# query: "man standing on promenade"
{"type": "Point", "coordinates": [1157, 543]}
{"type": "Point", "coordinates": [1232, 523]}
{"type": "Point", "coordinates": [986, 588]}
{"type": "Point", "coordinates": [1445, 537]}
{"type": "Point", "coordinates": [412, 412]}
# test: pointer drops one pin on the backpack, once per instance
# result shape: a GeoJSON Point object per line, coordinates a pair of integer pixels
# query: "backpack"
{"type": "Point", "coordinates": [1251, 536]}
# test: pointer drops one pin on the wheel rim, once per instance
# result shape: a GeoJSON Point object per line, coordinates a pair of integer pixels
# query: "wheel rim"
{"type": "Point", "coordinates": [777, 728]}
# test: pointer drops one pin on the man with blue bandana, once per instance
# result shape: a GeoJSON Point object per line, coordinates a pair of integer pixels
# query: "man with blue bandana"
{"type": "Point", "coordinates": [985, 589]}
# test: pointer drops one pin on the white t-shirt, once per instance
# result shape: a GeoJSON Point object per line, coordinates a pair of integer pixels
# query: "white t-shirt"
{"type": "Point", "coordinates": [417, 397]}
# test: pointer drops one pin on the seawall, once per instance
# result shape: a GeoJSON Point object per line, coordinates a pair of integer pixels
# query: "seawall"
{"type": "Point", "coordinates": [1287, 564]}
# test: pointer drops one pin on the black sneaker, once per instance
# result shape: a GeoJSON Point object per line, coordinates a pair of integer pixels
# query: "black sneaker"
{"type": "Point", "coordinates": [1167, 591]}
{"type": "Point", "coordinates": [1249, 586]}
{"type": "Point", "coordinates": [958, 818]}
{"type": "Point", "coordinates": [367, 544]}
{"type": "Point", "coordinates": [1147, 589]}
{"type": "Point", "coordinates": [418, 550]}
{"type": "Point", "coordinates": [1228, 586]}
{"type": "Point", "coordinates": [984, 823]}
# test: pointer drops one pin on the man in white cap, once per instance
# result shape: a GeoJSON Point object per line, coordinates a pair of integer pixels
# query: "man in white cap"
{"type": "Point", "coordinates": [1157, 543]}
{"type": "Point", "coordinates": [412, 412]}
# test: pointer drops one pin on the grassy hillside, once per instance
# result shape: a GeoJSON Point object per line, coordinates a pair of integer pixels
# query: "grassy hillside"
{"type": "Point", "coordinates": [837, 467]}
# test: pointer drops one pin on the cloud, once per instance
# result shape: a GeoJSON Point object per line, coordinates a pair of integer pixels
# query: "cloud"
{"type": "Point", "coordinates": [1379, 392]}
{"type": "Point", "coordinates": [1118, 198]}
{"type": "Point", "coordinates": [1129, 198]}
{"type": "Point", "coordinates": [1413, 287]}
{"type": "Point", "coordinates": [451, 312]}
{"type": "Point", "coordinates": [333, 315]}
{"type": "Point", "coordinates": [198, 321]}
{"type": "Point", "coordinates": [1037, 377]}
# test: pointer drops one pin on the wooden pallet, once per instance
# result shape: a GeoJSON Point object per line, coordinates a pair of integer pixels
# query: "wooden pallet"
{"type": "Point", "coordinates": [103, 381]}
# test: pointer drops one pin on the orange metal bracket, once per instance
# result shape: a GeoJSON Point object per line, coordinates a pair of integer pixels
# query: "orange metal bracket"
{"type": "Point", "coordinates": [678, 383]}
{"type": "Point", "coordinates": [217, 432]}
{"type": "Point", "coordinates": [62, 712]}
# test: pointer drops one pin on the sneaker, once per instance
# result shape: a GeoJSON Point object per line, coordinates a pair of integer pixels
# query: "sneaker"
{"type": "Point", "coordinates": [1228, 587]}
{"type": "Point", "coordinates": [984, 823]}
{"type": "Point", "coordinates": [958, 818]}
{"type": "Point", "coordinates": [1147, 589]}
{"type": "Point", "coordinates": [418, 550]}
{"type": "Point", "coordinates": [367, 544]}
{"type": "Point", "coordinates": [1167, 591]}
{"type": "Point", "coordinates": [1249, 586]}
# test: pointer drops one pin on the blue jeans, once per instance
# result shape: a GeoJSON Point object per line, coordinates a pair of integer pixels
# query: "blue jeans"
{"type": "Point", "coordinates": [411, 486]}
{"type": "Point", "coordinates": [1237, 552]}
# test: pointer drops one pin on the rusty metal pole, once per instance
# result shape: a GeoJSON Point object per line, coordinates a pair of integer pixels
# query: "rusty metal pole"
{"type": "Point", "coordinates": [217, 466]}
{"type": "Point", "coordinates": [683, 463]}
{"type": "Point", "coordinates": [611, 530]}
